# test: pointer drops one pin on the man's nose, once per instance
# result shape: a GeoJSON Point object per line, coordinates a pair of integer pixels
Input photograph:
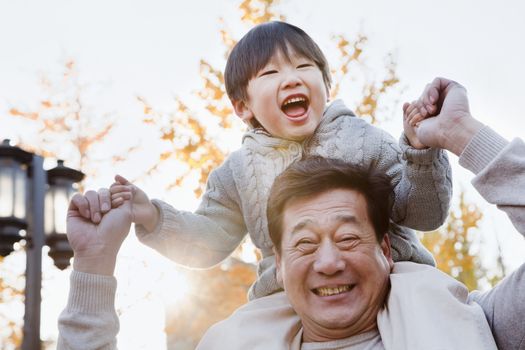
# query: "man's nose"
{"type": "Point", "coordinates": [328, 260]}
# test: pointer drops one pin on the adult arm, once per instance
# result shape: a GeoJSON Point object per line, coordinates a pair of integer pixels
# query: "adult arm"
{"type": "Point", "coordinates": [206, 237]}
{"type": "Point", "coordinates": [501, 181]}
{"type": "Point", "coordinates": [500, 178]}
{"type": "Point", "coordinates": [89, 320]}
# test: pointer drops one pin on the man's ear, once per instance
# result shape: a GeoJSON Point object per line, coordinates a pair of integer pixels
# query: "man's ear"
{"type": "Point", "coordinates": [278, 273]}
{"type": "Point", "coordinates": [387, 250]}
{"type": "Point", "coordinates": [242, 110]}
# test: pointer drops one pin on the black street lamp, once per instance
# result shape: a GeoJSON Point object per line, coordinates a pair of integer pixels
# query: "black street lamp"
{"type": "Point", "coordinates": [14, 164]}
{"type": "Point", "coordinates": [36, 201]}
{"type": "Point", "coordinates": [62, 181]}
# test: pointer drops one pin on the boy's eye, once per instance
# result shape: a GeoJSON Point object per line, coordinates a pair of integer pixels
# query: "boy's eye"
{"type": "Point", "coordinates": [268, 72]}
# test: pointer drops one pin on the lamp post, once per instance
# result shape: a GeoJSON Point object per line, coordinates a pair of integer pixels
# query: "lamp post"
{"type": "Point", "coordinates": [61, 180]}
{"type": "Point", "coordinates": [14, 163]}
{"type": "Point", "coordinates": [36, 201]}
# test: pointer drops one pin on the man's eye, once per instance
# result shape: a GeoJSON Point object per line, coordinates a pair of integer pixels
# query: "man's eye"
{"type": "Point", "coordinates": [303, 241]}
{"type": "Point", "coordinates": [348, 241]}
{"type": "Point", "coordinates": [268, 72]}
{"type": "Point", "coordinates": [305, 245]}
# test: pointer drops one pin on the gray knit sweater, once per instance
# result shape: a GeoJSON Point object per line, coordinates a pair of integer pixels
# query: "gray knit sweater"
{"type": "Point", "coordinates": [236, 195]}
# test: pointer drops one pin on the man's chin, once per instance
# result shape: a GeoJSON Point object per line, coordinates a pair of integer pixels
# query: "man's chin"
{"type": "Point", "coordinates": [333, 315]}
{"type": "Point", "coordinates": [329, 327]}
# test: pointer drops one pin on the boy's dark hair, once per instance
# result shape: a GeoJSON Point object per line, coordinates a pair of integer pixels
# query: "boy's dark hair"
{"type": "Point", "coordinates": [315, 175]}
{"type": "Point", "coordinates": [257, 47]}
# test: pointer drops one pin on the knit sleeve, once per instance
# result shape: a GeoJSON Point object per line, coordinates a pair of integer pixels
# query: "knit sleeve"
{"type": "Point", "coordinates": [421, 180]}
{"type": "Point", "coordinates": [205, 237]}
{"type": "Point", "coordinates": [500, 170]}
{"type": "Point", "coordinates": [500, 178]}
{"type": "Point", "coordinates": [89, 320]}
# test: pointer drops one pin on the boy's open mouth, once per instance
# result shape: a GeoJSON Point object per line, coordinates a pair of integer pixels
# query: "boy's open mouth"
{"type": "Point", "coordinates": [295, 106]}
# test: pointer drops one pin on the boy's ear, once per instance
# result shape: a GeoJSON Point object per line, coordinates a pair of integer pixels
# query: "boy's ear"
{"type": "Point", "coordinates": [242, 110]}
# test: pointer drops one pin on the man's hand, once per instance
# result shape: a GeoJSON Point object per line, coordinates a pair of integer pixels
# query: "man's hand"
{"type": "Point", "coordinates": [452, 126]}
{"type": "Point", "coordinates": [96, 244]}
{"type": "Point", "coordinates": [144, 212]}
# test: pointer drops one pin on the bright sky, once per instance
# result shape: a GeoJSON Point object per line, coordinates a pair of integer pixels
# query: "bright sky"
{"type": "Point", "coordinates": [152, 48]}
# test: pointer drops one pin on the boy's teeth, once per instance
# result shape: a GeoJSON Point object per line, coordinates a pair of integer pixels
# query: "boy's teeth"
{"type": "Point", "coordinates": [295, 99]}
{"type": "Point", "coordinates": [295, 107]}
{"type": "Point", "coordinates": [327, 291]}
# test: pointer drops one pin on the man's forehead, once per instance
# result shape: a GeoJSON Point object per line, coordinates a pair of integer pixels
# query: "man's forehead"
{"type": "Point", "coordinates": [337, 205]}
{"type": "Point", "coordinates": [308, 222]}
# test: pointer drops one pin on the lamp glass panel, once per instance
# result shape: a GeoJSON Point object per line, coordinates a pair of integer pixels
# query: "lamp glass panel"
{"type": "Point", "coordinates": [61, 202]}
{"type": "Point", "coordinates": [6, 189]}
{"type": "Point", "coordinates": [49, 220]}
{"type": "Point", "coordinates": [20, 192]}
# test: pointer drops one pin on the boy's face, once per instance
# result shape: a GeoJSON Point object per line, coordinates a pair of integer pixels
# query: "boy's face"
{"type": "Point", "coordinates": [287, 97]}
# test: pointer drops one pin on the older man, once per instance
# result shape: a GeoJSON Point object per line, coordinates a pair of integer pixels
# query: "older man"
{"type": "Point", "coordinates": [334, 262]}
{"type": "Point", "coordinates": [333, 257]}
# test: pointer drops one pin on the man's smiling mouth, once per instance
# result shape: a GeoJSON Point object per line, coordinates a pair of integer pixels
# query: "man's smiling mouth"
{"type": "Point", "coordinates": [328, 291]}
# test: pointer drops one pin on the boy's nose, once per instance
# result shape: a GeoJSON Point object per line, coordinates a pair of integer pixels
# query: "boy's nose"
{"type": "Point", "coordinates": [291, 80]}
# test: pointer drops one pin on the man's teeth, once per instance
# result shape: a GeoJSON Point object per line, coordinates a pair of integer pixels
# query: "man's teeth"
{"type": "Point", "coordinates": [294, 100]}
{"type": "Point", "coordinates": [327, 291]}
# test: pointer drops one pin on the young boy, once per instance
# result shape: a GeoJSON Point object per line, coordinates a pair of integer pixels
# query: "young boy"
{"type": "Point", "coordinates": [278, 81]}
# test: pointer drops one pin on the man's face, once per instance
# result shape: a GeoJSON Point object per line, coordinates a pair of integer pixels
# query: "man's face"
{"type": "Point", "coordinates": [335, 273]}
{"type": "Point", "coordinates": [287, 97]}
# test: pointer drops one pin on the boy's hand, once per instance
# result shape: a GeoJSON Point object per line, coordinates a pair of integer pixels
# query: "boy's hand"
{"type": "Point", "coordinates": [428, 104]}
{"type": "Point", "coordinates": [96, 240]}
{"type": "Point", "coordinates": [143, 211]}
{"type": "Point", "coordinates": [409, 110]}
